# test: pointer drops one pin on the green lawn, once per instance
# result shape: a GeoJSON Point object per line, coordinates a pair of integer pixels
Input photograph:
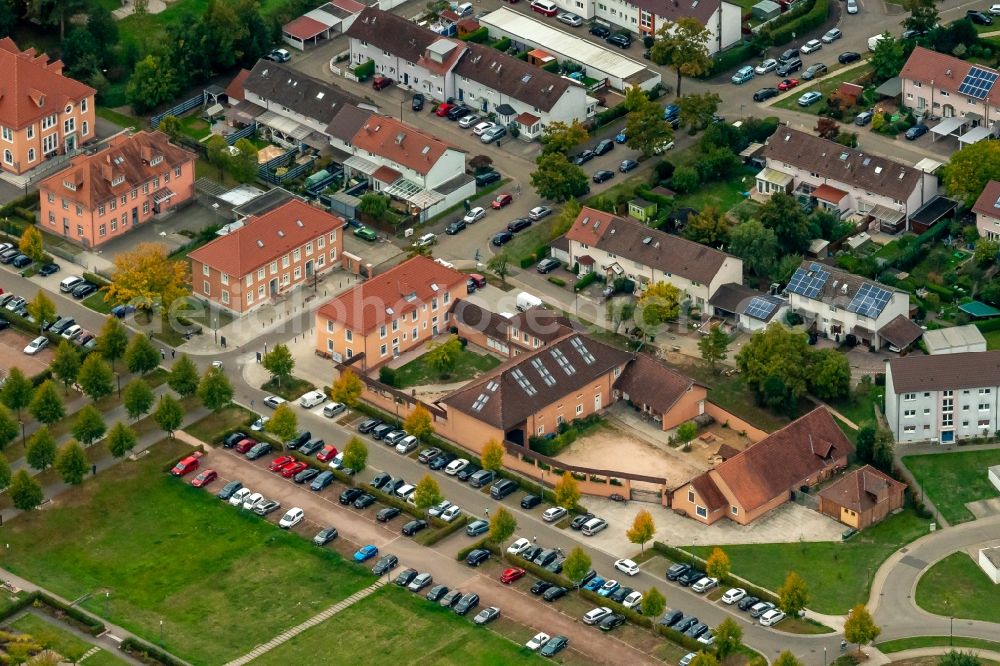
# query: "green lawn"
{"type": "Point", "coordinates": [97, 303]}
{"type": "Point", "coordinates": [219, 581]}
{"type": "Point", "coordinates": [724, 195]}
{"type": "Point", "coordinates": [61, 640]}
{"type": "Point", "coordinates": [468, 364]}
{"type": "Point", "coordinates": [957, 587]}
{"type": "Point", "coordinates": [525, 243]}
{"type": "Point", "coordinates": [950, 480]}
{"type": "Point", "coordinates": [195, 127]}
{"type": "Point", "coordinates": [826, 85]}
{"type": "Point", "coordinates": [901, 644]}
{"type": "Point", "coordinates": [406, 628]}
{"type": "Point", "coordinates": [120, 119]}
{"type": "Point", "coordinates": [732, 394]}
{"type": "Point", "coordinates": [214, 426]}
{"type": "Point", "coordinates": [992, 339]}
{"type": "Point", "coordinates": [290, 389]}
{"type": "Point", "coordinates": [860, 407]}
{"type": "Point", "coordinates": [838, 574]}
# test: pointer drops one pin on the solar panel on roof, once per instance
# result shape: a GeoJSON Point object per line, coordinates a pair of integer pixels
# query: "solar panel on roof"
{"type": "Point", "coordinates": [759, 308]}
{"type": "Point", "coordinates": [977, 83]}
{"type": "Point", "coordinates": [810, 282]}
{"type": "Point", "coordinates": [870, 300]}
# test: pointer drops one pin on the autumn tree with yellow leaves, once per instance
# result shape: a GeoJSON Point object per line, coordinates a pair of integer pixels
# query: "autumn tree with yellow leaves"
{"type": "Point", "coordinates": [147, 277]}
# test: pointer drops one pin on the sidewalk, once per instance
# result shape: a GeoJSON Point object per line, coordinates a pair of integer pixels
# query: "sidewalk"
{"type": "Point", "coordinates": [104, 641]}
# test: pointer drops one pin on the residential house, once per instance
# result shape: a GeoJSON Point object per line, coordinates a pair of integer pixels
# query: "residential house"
{"type": "Point", "coordinates": [619, 247]}
{"type": "Point", "coordinates": [765, 475]}
{"type": "Point", "coordinates": [987, 210]}
{"type": "Point", "coordinates": [512, 335]}
{"type": "Point", "coordinates": [722, 19]}
{"type": "Point", "coordinates": [43, 113]}
{"type": "Point", "coordinates": [668, 397]}
{"type": "Point", "coordinates": [862, 498]}
{"type": "Point", "coordinates": [748, 308]}
{"type": "Point", "coordinates": [130, 180]}
{"type": "Point", "coordinates": [943, 398]}
{"type": "Point", "coordinates": [389, 313]}
{"type": "Point", "coordinates": [267, 256]}
{"type": "Point", "coordinates": [843, 180]}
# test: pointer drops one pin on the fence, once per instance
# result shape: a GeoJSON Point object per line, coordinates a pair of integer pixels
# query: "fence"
{"type": "Point", "coordinates": [183, 107]}
{"type": "Point", "coordinates": [249, 130]}
{"type": "Point", "coordinates": [266, 171]}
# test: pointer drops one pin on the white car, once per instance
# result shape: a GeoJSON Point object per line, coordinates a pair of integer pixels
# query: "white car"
{"type": "Point", "coordinates": [705, 584]}
{"type": "Point", "coordinates": [251, 501]}
{"type": "Point", "coordinates": [468, 121]}
{"type": "Point", "coordinates": [217, 365]}
{"type": "Point", "coordinates": [852, 6]}
{"type": "Point", "coordinates": [259, 424]}
{"type": "Point", "coordinates": [733, 595]}
{"type": "Point", "coordinates": [663, 147]}
{"type": "Point", "coordinates": [596, 615]}
{"type": "Point", "coordinates": [995, 10]}
{"type": "Point", "coordinates": [687, 659]}
{"type": "Point", "coordinates": [768, 65]}
{"type": "Point", "coordinates": [334, 408]}
{"type": "Point", "coordinates": [451, 513]}
{"type": "Point", "coordinates": [36, 345]}
{"type": "Point", "coordinates": [633, 600]}
{"type": "Point", "coordinates": [537, 641]}
{"type": "Point", "coordinates": [407, 444]}
{"type": "Point", "coordinates": [482, 127]}
{"type": "Point", "coordinates": [474, 215]}
{"type": "Point", "coordinates": [72, 332]}
{"type": "Point", "coordinates": [627, 566]}
{"type": "Point", "coordinates": [554, 514]}
{"type": "Point", "coordinates": [456, 466]}
{"type": "Point", "coordinates": [707, 638]}
{"type": "Point", "coordinates": [292, 518]}
{"type": "Point", "coordinates": [519, 546]}
{"type": "Point", "coordinates": [771, 618]}
{"type": "Point", "coordinates": [812, 46]}
{"type": "Point", "coordinates": [538, 212]}
{"type": "Point", "coordinates": [273, 401]}
{"type": "Point", "coordinates": [439, 508]}
{"type": "Point", "coordinates": [312, 398]}
{"type": "Point", "coordinates": [239, 496]}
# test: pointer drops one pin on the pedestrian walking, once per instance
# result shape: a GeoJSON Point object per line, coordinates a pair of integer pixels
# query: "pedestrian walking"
{"type": "Point", "coordinates": [163, 353]}
{"type": "Point", "coordinates": [487, 512]}
{"type": "Point", "coordinates": [173, 353]}
{"type": "Point", "coordinates": [534, 540]}
{"type": "Point", "coordinates": [93, 470]}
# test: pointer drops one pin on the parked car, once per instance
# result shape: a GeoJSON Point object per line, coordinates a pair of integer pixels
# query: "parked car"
{"type": "Point", "coordinates": [519, 546]}
{"type": "Point", "coordinates": [414, 526]}
{"type": "Point", "coordinates": [229, 490]}
{"type": "Point", "coordinates": [466, 603]}
{"type": "Point", "coordinates": [600, 30]}
{"type": "Point", "coordinates": [864, 118]}
{"type": "Point", "coordinates": [259, 450]}
{"type": "Point", "coordinates": [311, 447]}
{"type": "Point", "coordinates": [848, 57]}
{"type": "Point", "coordinates": [450, 599]}
{"type": "Point", "coordinates": [810, 98]}
{"type": "Point", "coordinates": [612, 621]}
{"type": "Point", "coordinates": [690, 577]}
{"type": "Point", "coordinates": [733, 595]}
{"type": "Point", "coordinates": [186, 465]}
{"type": "Point", "coordinates": [323, 480]}
{"type": "Point", "coordinates": [279, 55]}
{"type": "Point", "coordinates": [603, 147]}
{"type": "Point", "coordinates": [436, 592]}
{"type": "Point", "coordinates": [627, 165]}
{"type": "Point", "coordinates": [760, 608]}
{"type": "Point", "coordinates": [746, 603]}
{"type": "Point", "coordinates": [481, 478]}
{"type": "Point", "coordinates": [916, 132]}
{"type": "Point", "coordinates": [811, 46]}
{"type": "Point", "coordinates": [474, 215]}
{"type": "Point", "coordinates": [494, 133]}
{"type": "Point", "coordinates": [266, 507]}
{"type": "Point", "coordinates": [366, 553]}
{"type": "Point", "coordinates": [742, 75]}
{"type": "Point", "coordinates": [380, 82]}
{"type": "Point", "coordinates": [518, 224]}
{"type": "Point", "coordinates": [274, 401]}
{"type": "Point", "coordinates": [768, 65]}
{"type": "Point", "coordinates": [364, 501]}
{"type": "Point", "coordinates": [537, 641]}
{"type": "Point", "coordinates": [530, 501]}
{"type": "Point", "coordinates": [619, 40]}
{"type": "Point", "coordinates": [553, 514]}
{"type": "Point", "coordinates": [627, 566]}
{"type": "Point", "coordinates": [510, 575]}
{"type": "Point", "coordinates": [814, 70]}
{"type": "Point", "coordinates": [771, 618]}
{"type": "Point", "coordinates": [406, 576]}
{"type": "Point", "coordinates": [501, 238]}
{"type": "Point", "coordinates": [417, 102]}
{"type": "Point", "coordinates": [633, 600]}
{"type": "Point", "coordinates": [603, 175]}
{"type": "Point", "coordinates": [458, 112]}
{"type": "Point", "coordinates": [306, 475]}
{"type": "Point", "coordinates": [327, 453]}
{"type": "Point", "coordinates": [48, 269]}
{"type": "Point", "coordinates": [484, 179]}
{"type": "Point", "coordinates": [503, 199]}
{"type": "Point", "coordinates": [852, 6]}
{"type": "Point", "coordinates": [291, 518]}
{"type": "Point", "coordinates": [832, 35]}
{"type": "Point", "coordinates": [455, 227]}
{"type": "Point", "coordinates": [548, 265]}
{"type": "Point", "coordinates": [468, 121]}
{"type": "Point", "coordinates": [387, 514]}
{"type": "Point", "coordinates": [420, 581]}
{"type": "Point", "coordinates": [539, 212]}
{"type": "Point", "coordinates": [788, 67]}
{"type": "Point", "coordinates": [385, 563]}
{"type": "Point", "coordinates": [23, 260]}
{"type": "Point", "coordinates": [36, 345]}
{"type": "Point", "coordinates": [671, 617]}
{"type": "Point", "coordinates": [569, 19]}
{"type": "Point", "coordinates": [765, 94]}
{"type": "Point", "coordinates": [503, 488]}
{"type": "Point", "coordinates": [554, 592]}
{"type": "Point", "coordinates": [583, 157]}
{"type": "Point", "coordinates": [705, 584]}
{"type": "Point", "coordinates": [477, 557]}
{"type": "Point", "coordinates": [486, 615]}
{"type": "Point", "coordinates": [978, 17]}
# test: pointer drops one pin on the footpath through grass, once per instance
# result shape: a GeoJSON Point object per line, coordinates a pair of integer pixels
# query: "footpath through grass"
{"type": "Point", "coordinates": [468, 364]}
{"type": "Point", "coordinates": [60, 640]}
{"type": "Point", "coordinates": [838, 574]}
{"type": "Point", "coordinates": [914, 642]}
{"type": "Point", "coordinates": [957, 587]}
{"type": "Point", "coordinates": [220, 581]}
{"type": "Point", "coordinates": [950, 480]}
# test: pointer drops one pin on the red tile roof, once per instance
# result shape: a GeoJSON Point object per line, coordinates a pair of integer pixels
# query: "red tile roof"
{"type": "Point", "coordinates": [263, 239]}
{"type": "Point", "coordinates": [947, 72]}
{"type": "Point", "coordinates": [303, 28]}
{"type": "Point", "coordinates": [386, 174]}
{"type": "Point", "coordinates": [396, 292]}
{"type": "Point", "coordinates": [235, 88]}
{"type": "Point", "coordinates": [405, 145]}
{"type": "Point", "coordinates": [32, 87]}
{"type": "Point", "coordinates": [829, 193]}
{"type": "Point", "coordinates": [988, 203]}
{"type": "Point", "coordinates": [862, 489]}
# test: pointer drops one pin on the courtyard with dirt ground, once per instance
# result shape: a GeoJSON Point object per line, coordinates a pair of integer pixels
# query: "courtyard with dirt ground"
{"type": "Point", "coordinates": [12, 343]}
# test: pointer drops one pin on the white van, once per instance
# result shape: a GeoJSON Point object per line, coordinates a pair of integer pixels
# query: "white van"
{"type": "Point", "coordinates": [312, 399]}
{"type": "Point", "coordinates": [873, 41]}
{"type": "Point", "coordinates": [70, 283]}
{"type": "Point", "coordinates": [593, 526]}
{"type": "Point", "coordinates": [545, 7]}
{"type": "Point", "coordinates": [425, 241]}
{"type": "Point", "coordinates": [526, 301]}
{"type": "Point", "coordinates": [464, 9]}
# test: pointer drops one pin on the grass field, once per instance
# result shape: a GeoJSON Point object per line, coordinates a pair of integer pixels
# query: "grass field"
{"type": "Point", "coordinates": [860, 407]}
{"type": "Point", "coordinates": [407, 629]}
{"type": "Point", "coordinates": [951, 480]}
{"type": "Point", "coordinates": [957, 587]}
{"type": "Point", "coordinates": [60, 640]}
{"type": "Point", "coordinates": [468, 364]}
{"type": "Point", "coordinates": [826, 85]}
{"type": "Point", "coordinates": [214, 426]}
{"type": "Point", "coordinates": [901, 644]}
{"type": "Point", "coordinates": [168, 552]}
{"type": "Point", "coordinates": [724, 195]}
{"type": "Point", "coordinates": [838, 574]}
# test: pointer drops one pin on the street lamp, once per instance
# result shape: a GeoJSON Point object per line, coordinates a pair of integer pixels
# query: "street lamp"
{"type": "Point", "coordinates": [215, 328]}
{"type": "Point", "coordinates": [161, 632]}
{"type": "Point", "coordinates": [107, 598]}
{"type": "Point", "coordinates": [951, 630]}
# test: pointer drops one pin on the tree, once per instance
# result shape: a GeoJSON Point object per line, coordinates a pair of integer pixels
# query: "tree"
{"type": "Point", "coordinates": [41, 451]}
{"type": "Point", "coordinates": [567, 491]}
{"type": "Point", "coordinates": [645, 128]}
{"type": "Point", "coordinates": [713, 346]}
{"type": "Point", "coordinates": [81, 54]}
{"type": "Point", "coordinates": [728, 638]}
{"type": "Point", "coordinates": [560, 137]}
{"type": "Point", "coordinates": [685, 179]}
{"type": "Point", "coordinates": [56, 12]}
{"type": "Point", "coordinates": [5, 472]}
{"type": "Point", "coordinates": [923, 15]}
{"type": "Point", "coordinates": [112, 341]}
{"type": "Point", "coordinates": [47, 405]}
{"type": "Point", "coordinates": [556, 179]}
{"type": "Point", "coordinates": [776, 358]}
{"type": "Point", "coordinates": [31, 243]}
{"type": "Point", "coordinates": [576, 565]}
{"type": "Point", "coordinates": [141, 356]}
{"type": "Point", "coordinates": [864, 447]}
{"type": "Point", "coordinates": [8, 18]}
{"type": "Point", "coordinates": [217, 151]}
{"type": "Point", "coordinates": [102, 27]}
{"type": "Point", "coordinates": [169, 415]}
{"type": "Point", "coordinates": [147, 277]}
{"type": "Point", "coordinates": [970, 169]}
{"type": "Point", "coordinates": [152, 83]}
{"type": "Point", "coordinates": [355, 455]}
{"type": "Point", "coordinates": [171, 126]}
{"type": "Point", "coordinates": [138, 398]}
{"type": "Point", "coordinates": [986, 252]}
{"type": "Point", "coordinates": [283, 424]}
{"type": "Point", "coordinates": [492, 455]}
{"type": "Point", "coordinates": [66, 363]}
{"type": "Point", "coordinates": [71, 463]}
{"type": "Point", "coordinates": [503, 524]}
{"type": "Point", "coordinates": [783, 214]}
{"type": "Point", "coordinates": [827, 128]}
{"type": "Point", "coordinates": [8, 428]}
{"type": "Point", "coordinates": [704, 659]}
{"type": "Point", "coordinates": [717, 564]}
{"type": "Point", "coordinates": [860, 628]}
{"type": "Point", "coordinates": [419, 423]}
{"type": "Point", "coordinates": [957, 658]}
{"type": "Point", "coordinates": [683, 45]}
{"type": "Point", "coordinates": [642, 530]}
{"type": "Point", "coordinates": [686, 431]}
{"type": "Point", "coordinates": [882, 451]}
{"type": "Point", "coordinates": [25, 493]}
{"type": "Point", "coordinates": [829, 374]}
{"type": "Point", "coordinates": [427, 493]}
{"type": "Point", "coordinates": [347, 389]}
{"type": "Point", "coordinates": [653, 603]}
{"type": "Point", "coordinates": [709, 227]}
{"type": "Point", "coordinates": [17, 391]}
{"type": "Point", "coordinates": [42, 308]}
{"type": "Point", "coordinates": [373, 205]}
{"type": "Point", "coordinates": [121, 440]}
{"type": "Point", "coordinates": [183, 377]}
{"type": "Point", "coordinates": [499, 265]}
{"type": "Point", "coordinates": [659, 303]}
{"type": "Point", "coordinates": [215, 391]}
{"type": "Point", "coordinates": [88, 426]}
{"type": "Point", "coordinates": [243, 164]}
{"type": "Point", "coordinates": [697, 110]}
{"type": "Point", "coordinates": [442, 356]}
{"type": "Point", "coordinates": [887, 58]}
{"type": "Point", "coordinates": [786, 658]}
{"type": "Point", "coordinates": [279, 363]}
{"type": "Point", "coordinates": [793, 595]}
{"type": "Point", "coordinates": [95, 377]}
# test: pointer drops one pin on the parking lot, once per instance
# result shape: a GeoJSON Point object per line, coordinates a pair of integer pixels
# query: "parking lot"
{"type": "Point", "coordinates": [12, 344]}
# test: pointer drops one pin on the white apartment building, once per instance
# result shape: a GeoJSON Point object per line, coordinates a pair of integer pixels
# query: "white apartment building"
{"type": "Point", "coordinates": [987, 210]}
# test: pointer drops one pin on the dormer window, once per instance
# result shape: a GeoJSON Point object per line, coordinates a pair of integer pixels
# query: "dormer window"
{"type": "Point", "coordinates": [156, 160]}
{"type": "Point", "coordinates": [69, 108]}
{"type": "Point", "coordinates": [69, 185]}
{"type": "Point", "coordinates": [117, 180]}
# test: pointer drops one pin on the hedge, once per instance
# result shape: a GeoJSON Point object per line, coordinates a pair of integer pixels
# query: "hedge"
{"type": "Point", "coordinates": [443, 529]}
{"type": "Point", "coordinates": [677, 637]}
{"type": "Point", "coordinates": [678, 555]}
{"type": "Point", "coordinates": [89, 622]}
{"type": "Point", "coordinates": [730, 58]}
{"type": "Point", "coordinates": [147, 653]}
{"type": "Point", "coordinates": [587, 280]}
{"type": "Point", "coordinates": [345, 478]}
{"type": "Point", "coordinates": [539, 572]}
{"type": "Point", "coordinates": [800, 21]}
{"type": "Point", "coordinates": [501, 44]}
{"type": "Point", "coordinates": [21, 601]}
{"type": "Point", "coordinates": [99, 280]}
{"type": "Point", "coordinates": [392, 500]}
{"type": "Point", "coordinates": [365, 70]}
{"type": "Point", "coordinates": [480, 36]}
{"type": "Point", "coordinates": [989, 325]}
{"type": "Point", "coordinates": [482, 543]}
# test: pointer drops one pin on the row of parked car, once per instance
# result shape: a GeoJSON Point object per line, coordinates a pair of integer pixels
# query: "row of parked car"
{"type": "Point", "coordinates": [11, 255]}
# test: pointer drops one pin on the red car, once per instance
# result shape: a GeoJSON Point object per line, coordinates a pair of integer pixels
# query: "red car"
{"type": "Point", "coordinates": [443, 109]}
{"type": "Point", "coordinates": [186, 465]}
{"type": "Point", "coordinates": [502, 200]}
{"type": "Point", "coordinates": [788, 84]}
{"type": "Point", "coordinates": [380, 82]}
{"type": "Point", "coordinates": [280, 462]}
{"type": "Point", "coordinates": [204, 478]}
{"type": "Point", "coordinates": [510, 575]}
{"type": "Point", "coordinates": [245, 445]}
{"type": "Point", "coordinates": [291, 469]}
{"type": "Point", "coordinates": [327, 454]}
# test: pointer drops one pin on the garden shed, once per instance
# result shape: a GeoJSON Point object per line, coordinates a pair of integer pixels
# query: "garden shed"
{"type": "Point", "coordinates": [765, 10]}
{"type": "Point", "coordinates": [979, 310]}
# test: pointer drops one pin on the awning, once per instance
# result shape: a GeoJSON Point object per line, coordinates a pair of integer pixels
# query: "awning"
{"type": "Point", "coordinates": [360, 165]}
{"type": "Point", "coordinates": [585, 260]}
{"type": "Point", "coordinates": [505, 110]}
{"type": "Point", "coordinates": [774, 177]}
{"type": "Point", "coordinates": [284, 125]}
{"type": "Point", "coordinates": [927, 165]}
{"type": "Point", "coordinates": [751, 150]}
{"type": "Point", "coordinates": [891, 88]}
{"type": "Point", "coordinates": [413, 194]}
{"type": "Point", "coordinates": [829, 193]}
{"type": "Point", "coordinates": [863, 333]}
{"type": "Point", "coordinates": [527, 120]}
{"type": "Point", "coordinates": [975, 135]}
{"type": "Point", "coordinates": [162, 194]}
{"type": "Point", "coordinates": [948, 125]}
{"type": "Point", "coordinates": [215, 110]}
{"type": "Point", "coordinates": [886, 214]}
{"type": "Point", "coordinates": [616, 268]}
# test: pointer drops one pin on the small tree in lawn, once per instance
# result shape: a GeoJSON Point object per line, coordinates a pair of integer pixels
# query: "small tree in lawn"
{"type": "Point", "coordinates": [492, 455]}
{"type": "Point", "coordinates": [717, 564]}
{"type": "Point", "coordinates": [168, 415]}
{"type": "Point", "coordinates": [576, 565]}
{"type": "Point", "coordinates": [793, 595]}
{"type": "Point", "coordinates": [88, 426]}
{"type": "Point", "coordinates": [642, 530]}
{"type": "Point", "coordinates": [283, 424]}
{"type": "Point", "coordinates": [17, 391]}
{"type": "Point", "coordinates": [442, 356]}
{"type": "Point", "coordinates": [418, 423]}
{"type": "Point", "coordinates": [860, 628]}
{"type": "Point", "coordinates": [713, 346]}
{"type": "Point", "coordinates": [786, 658]}
{"type": "Point", "coordinates": [31, 244]}
{"type": "Point", "coordinates": [71, 463]}
{"type": "Point", "coordinates": [427, 493]}
{"type": "Point", "coordinates": [499, 265]}
{"type": "Point", "coordinates": [138, 398]}
{"type": "Point", "coordinates": [66, 363]}
{"type": "Point", "coordinates": [41, 449]}
{"type": "Point", "coordinates": [348, 388]}
{"type": "Point", "coordinates": [567, 491]}
{"type": "Point", "coordinates": [121, 440]}
{"type": "Point", "coordinates": [42, 308]}
{"type": "Point", "coordinates": [141, 356]}
{"type": "Point", "coordinates": [704, 659]}
{"type": "Point", "coordinates": [95, 377]}
{"type": "Point", "coordinates": [8, 428]}
{"type": "Point", "coordinates": [686, 432]}
{"type": "Point", "coordinates": [279, 363]}
{"type": "Point", "coordinates": [653, 603]}
{"type": "Point", "coordinates": [47, 405]}
{"type": "Point", "coordinates": [5, 473]}
{"type": "Point", "coordinates": [183, 377]}
{"type": "Point", "coordinates": [215, 391]}
{"type": "Point", "coordinates": [355, 455]}
{"type": "Point", "coordinates": [503, 524]}
{"type": "Point", "coordinates": [112, 341]}
{"type": "Point", "coordinates": [728, 638]}
{"type": "Point", "coordinates": [25, 492]}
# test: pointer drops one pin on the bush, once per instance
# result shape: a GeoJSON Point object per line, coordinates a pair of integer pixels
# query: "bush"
{"type": "Point", "coordinates": [586, 281]}
{"type": "Point", "coordinates": [365, 70]}
{"type": "Point", "coordinates": [501, 44]}
{"type": "Point", "coordinates": [539, 572]}
{"type": "Point", "coordinates": [557, 281]}
{"type": "Point", "coordinates": [442, 530]}
{"type": "Point", "coordinates": [799, 21]}
{"type": "Point", "coordinates": [482, 543]}
{"type": "Point", "coordinates": [677, 637]}
{"type": "Point", "coordinates": [526, 262]}
{"type": "Point", "coordinates": [88, 622]}
{"type": "Point", "coordinates": [730, 58]}
{"type": "Point", "coordinates": [147, 653]}
{"type": "Point", "coordinates": [685, 179]}
{"type": "Point", "coordinates": [387, 375]}
{"type": "Point", "coordinates": [480, 36]}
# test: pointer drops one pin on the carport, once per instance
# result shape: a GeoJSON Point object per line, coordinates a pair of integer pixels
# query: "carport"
{"type": "Point", "coordinates": [975, 135]}
{"type": "Point", "coordinates": [947, 127]}
{"type": "Point", "coordinates": [890, 220]}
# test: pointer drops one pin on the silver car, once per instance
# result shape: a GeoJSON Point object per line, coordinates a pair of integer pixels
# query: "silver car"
{"type": "Point", "coordinates": [493, 134]}
{"type": "Point", "coordinates": [570, 18]}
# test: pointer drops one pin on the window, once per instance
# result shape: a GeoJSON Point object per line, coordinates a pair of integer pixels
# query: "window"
{"type": "Point", "coordinates": [274, 267]}
{"type": "Point", "coordinates": [249, 298]}
{"type": "Point", "coordinates": [909, 396]}
{"type": "Point", "coordinates": [413, 316]}
{"type": "Point", "coordinates": [348, 335]}
{"type": "Point", "coordinates": [260, 273]}
{"type": "Point", "coordinates": [329, 346]}
{"type": "Point", "coordinates": [701, 511]}
{"type": "Point", "coordinates": [298, 272]}
{"type": "Point", "coordinates": [8, 157]}
{"type": "Point", "coordinates": [285, 279]}
{"type": "Point", "coordinates": [984, 407]}
{"type": "Point", "coordinates": [145, 208]}
{"type": "Point", "coordinates": [145, 188]}
{"type": "Point", "coordinates": [321, 242]}
{"type": "Point", "coordinates": [205, 270]}
{"type": "Point", "coordinates": [31, 131]}
{"type": "Point", "coordinates": [413, 333]}
{"type": "Point", "coordinates": [69, 125]}
{"type": "Point", "coordinates": [381, 331]}
{"type": "Point", "coordinates": [296, 255]}
{"type": "Point", "coordinates": [224, 278]}
{"type": "Point", "coordinates": [309, 249]}
{"type": "Point", "coordinates": [395, 325]}
{"type": "Point", "coordinates": [984, 391]}
{"type": "Point", "coordinates": [177, 172]}
{"type": "Point", "coordinates": [434, 303]}
{"type": "Point", "coordinates": [48, 122]}
{"type": "Point", "coordinates": [114, 224]}
{"type": "Point", "coordinates": [329, 326]}
{"type": "Point", "coordinates": [734, 510]}
{"type": "Point", "coordinates": [383, 350]}
{"type": "Point", "coordinates": [83, 105]}
{"type": "Point", "coordinates": [447, 298]}
{"type": "Point", "coordinates": [947, 420]}
{"type": "Point", "coordinates": [285, 262]}
{"type": "Point", "coordinates": [260, 294]}
{"type": "Point", "coordinates": [910, 429]}
{"type": "Point", "coordinates": [50, 144]}
{"type": "Point", "coordinates": [579, 409]}
{"type": "Point", "coordinates": [69, 108]}
{"type": "Point", "coordinates": [206, 288]}
{"type": "Point", "coordinates": [79, 210]}
{"type": "Point", "coordinates": [102, 230]}
{"type": "Point", "coordinates": [114, 204]}
{"type": "Point", "coordinates": [349, 352]}
{"type": "Point", "coordinates": [691, 496]}
{"type": "Point", "coordinates": [910, 413]}
{"type": "Point", "coordinates": [250, 280]}
{"type": "Point", "coordinates": [225, 297]}
{"type": "Point", "coordinates": [86, 128]}
{"type": "Point", "coordinates": [8, 135]}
